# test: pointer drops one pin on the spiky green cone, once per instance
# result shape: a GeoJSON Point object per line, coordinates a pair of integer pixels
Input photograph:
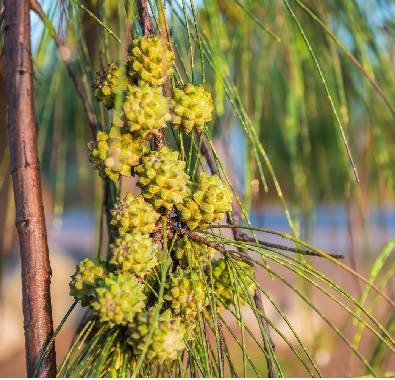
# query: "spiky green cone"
{"type": "Point", "coordinates": [134, 215]}
{"type": "Point", "coordinates": [187, 294]}
{"type": "Point", "coordinates": [224, 287]}
{"type": "Point", "coordinates": [208, 204]}
{"type": "Point", "coordinates": [192, 107]}
{"type": "Point", "coordinates": [150, 60]}
{"type": "Point", "coordinates": [111, 81]}
{"type": "Point", "coordinates": [84, 280]}
{"type": "Point", "coordinates": [163, 179]}
{"type": "Point", "coordinates": [135, 253]}
{"type": "Point", "coordinates": [118, 298]}
{"type": "Point", "coordinates": [193, 254]}
{"type": "Point", "coordinates": [190, 214]}
{"type": "Point", "coordinates": [114, 154]}
{"type": "Point", "coordinates": [145, 110]}
{"type": "Point", "coordinates": [167, 339]}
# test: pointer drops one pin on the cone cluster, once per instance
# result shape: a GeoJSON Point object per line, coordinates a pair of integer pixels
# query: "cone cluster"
{"type": "Point", "coordinates": [135, 91]}
{"type": "Point", "coordinates": [124, 290]}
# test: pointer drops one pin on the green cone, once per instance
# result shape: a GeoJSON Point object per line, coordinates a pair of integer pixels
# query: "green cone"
{"type": "Point", "coordinates": [163, 179]}
{"type": "Point", "coordinates": [135, 253]}
{"type": "Point", "coordinates": [167, 340]}
{"type": "Point", "coordinates": [187, 294]}
{"type": "Point", "coordinates": [110, 82]}
{"type": "Point", "coordinates": [118, 298]}
{"type": "Point", "coordinates": [115, 154]}
{"type": "Point", "coordinates": [208, 204]}
{"type": "Point", "coordinates": [145, 110]}
{"type": "Point", "coordinates": [134, 215]}
{"type": "Point", "coordinates": [222, 282]}
{"type": "Point", "coordinates": [150, 61]}
{"type": "Point", "coordinates": [193, 254]}
{"type": "Point", "coordinates": [192, 107]}
{"type": "Point", "coordinates": [84, 280]}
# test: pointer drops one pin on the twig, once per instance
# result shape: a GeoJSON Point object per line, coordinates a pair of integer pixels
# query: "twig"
{"type": "Point", "coordinates": [145, 17]}
{"type": "Point", "coordinates": [25, 171]}
{"type": "Point", "coordinates": [241, 236]}
{"type": "Point", "coordinates": [86, 103]}
{"type": "Point", "coordinates": [205, 150]}
{"type": "Point", "coordinates": [201, 239]}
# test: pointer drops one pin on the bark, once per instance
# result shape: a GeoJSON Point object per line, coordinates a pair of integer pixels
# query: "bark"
{"type": "Point", "coordinates": [30, 221]}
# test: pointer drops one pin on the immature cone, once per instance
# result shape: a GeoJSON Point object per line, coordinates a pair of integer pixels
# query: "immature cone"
{"type": "Point", "coordinates": [115, 154]}
{"type": "Point", "coordinates": [135, 253]}
{"type": "Point", "coordinates": [84, 280]}
{"type": "Point", "coordinates": [187, 294]}
{"type": "Point", "coordinates": [110, 82]}
{"type": "Point", "coordinates": [118, 298]}
{"type": "Point", "coordinates": [227, 277]}
{"type": "Point", "coordinates": [145, 110]}
{"type": "Point", "coordinates": [163, 178]}
{"type": "Point", "coordinates": [150, 60]}
{"type": "Point", "coordinates": [167, 340]}
{"type": "Point", "coordinates": [208, 204]}
{"type": "Point", "coordinates": [193, 254]}
{"type": "Point", "coordinates": [134, 215]}
{"type": "Point", "coordinates": [192, 107]}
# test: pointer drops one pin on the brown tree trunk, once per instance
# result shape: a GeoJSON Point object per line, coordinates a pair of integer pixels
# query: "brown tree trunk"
{"type": "Point", "coordinates": [30, 222]}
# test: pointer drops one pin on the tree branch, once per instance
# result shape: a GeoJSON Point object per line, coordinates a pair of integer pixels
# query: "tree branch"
{"type": "Point", "coordinates": [241, 236]}
{"type": "Point", "coordinates": [25, 171]}
{"type": "Point", "coordinates": [80, 88]}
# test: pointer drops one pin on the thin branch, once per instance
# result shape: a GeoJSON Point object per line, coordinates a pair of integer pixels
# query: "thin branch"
{"type": "Point", "coordinates": [145, 18]}
{"type": "Point", "coordinates": [25, 171]}
{"type": "Point", "coordinates": [241, 236]}
{"type": "Point", "coordinates": [82, 93]}
{"type": "Point", "coordinates": [205, 151]}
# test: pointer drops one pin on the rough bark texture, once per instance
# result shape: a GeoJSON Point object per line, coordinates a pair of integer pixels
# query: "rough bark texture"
{"type": "Point", "coordinates": [30, 222]}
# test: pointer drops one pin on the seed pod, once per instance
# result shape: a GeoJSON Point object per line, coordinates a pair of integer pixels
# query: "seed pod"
{"type": "Point", "coordinates": [135, 253]}
{"type": "Point", "coordinates": [150, 61]}
{"type": "Point", "coordinates": [208, 203]}
{"type": "Point", "coordinates": [192, 107]}
{"type": "Point", "coordinates": [167, 340]}
{"type": "Point", "coordinates": [110, 82]}
{"type": "Point", "coordinates": [193, 254]}
{"type": "Point", "coordinates": [114, 154]}
{"type": "Point", "coordinates": [134, 215]}
{"type": "Point", "coordinates": [84, 280]}
{"type": "Point", "coordinates": [118, 298]}
{"type": "Point", "coordinates": [145, 110]}
{"type": "Point", "coordinates": [163, 179]}
{"type": "Point", "coordinates": [222, 282]}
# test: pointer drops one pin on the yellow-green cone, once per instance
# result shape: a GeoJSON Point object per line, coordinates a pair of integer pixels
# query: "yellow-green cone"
{"type": "Point", "coordinates": [223, 285]}
{"type": "Point", "coordinates": [192, 107]}
{"type": "Point", "coordinates": [84, 280]}
{"type": "Point", "coordinates": [114, 154]}
{"type": "Point", "coordinates": [163, 179]}
{"type": "Point", "coordinates": [118, 298]}
{"type": "Point", "coordinates": [187, 294]}
{"type": "Point", "coordinates": [167, 340]}
{"type": "Point", "coordinates": [145, 110]}
{"type": "Point", "coordinates": [193, 254]}
{"type": "Point", "coordinates": [208, 204]}
{"type": "Point", "coordinates": [150, 60]}
{"type": "Point", "coordinates": [110, 82]}
{"type": "Point", "coordinates": [134, 215]}
{"type": "Point", "coordinates": [135, 253]}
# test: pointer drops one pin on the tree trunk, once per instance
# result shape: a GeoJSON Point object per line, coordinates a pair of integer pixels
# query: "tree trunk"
{"type": "Point", "coordinates": [30, 221]}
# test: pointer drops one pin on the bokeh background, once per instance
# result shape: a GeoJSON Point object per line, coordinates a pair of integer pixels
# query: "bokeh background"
{"type": "Point", "coordinates": [257, 46]}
